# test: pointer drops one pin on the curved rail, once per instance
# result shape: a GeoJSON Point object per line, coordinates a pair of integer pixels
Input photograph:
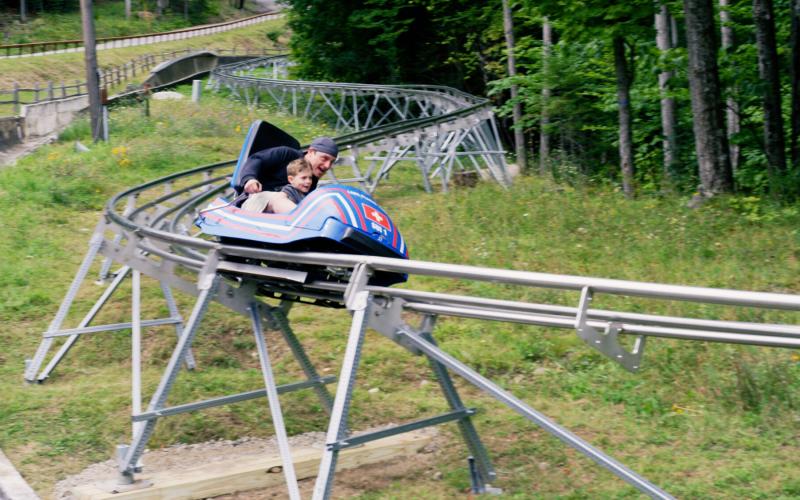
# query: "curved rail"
{"type": "Point", "coordinates": [149, 229]}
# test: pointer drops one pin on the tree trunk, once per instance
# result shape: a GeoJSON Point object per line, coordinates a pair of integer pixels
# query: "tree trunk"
{"type": "Point", "coordinates": [544, 134]}
{"type": "Point", "coordinates": [23, 11]}
{"type": "Point", "coordinates": [668, 113]}
{"type": "Point", "coordinates": [519, 133]}
{"type": "Point", "coordinates": [774, 144]}
{"type": "Point", "coordinates": [795, 57]}
{"type": "Point", "coordinates": [127, 9]}
{"type": "Point", "coordinates": [624, 103]}
{"type": "Point", "coordinates": [92, 79]}
{"type": "Point", "coordinates": [711, 142]}
{"type": "Point", "coordinates": [161, 6]}
{"type": "Point", "coordinates": [732, 121]}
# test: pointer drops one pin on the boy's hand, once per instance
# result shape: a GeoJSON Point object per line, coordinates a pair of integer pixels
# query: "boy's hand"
{"type": "Point", "coordinates": [252, 186]}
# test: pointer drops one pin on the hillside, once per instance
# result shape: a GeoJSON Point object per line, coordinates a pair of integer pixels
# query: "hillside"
{"type": "Point", "coordinates": [701, 420]}
{"type": "Point", "coordinates": [60, 22]}
{"type": "Point", "coordinates": [69, 67]}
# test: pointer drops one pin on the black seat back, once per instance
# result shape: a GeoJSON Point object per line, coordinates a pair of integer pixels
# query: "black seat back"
{"type": "Point", "coordinates": [262, 135]}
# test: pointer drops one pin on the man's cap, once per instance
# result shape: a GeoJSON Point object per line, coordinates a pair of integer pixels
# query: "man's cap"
{"type": "Point", "coordinates": [325, 145]}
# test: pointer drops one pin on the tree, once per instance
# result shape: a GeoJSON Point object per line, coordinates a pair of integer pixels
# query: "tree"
{"type": "Point", "coordinates": [619, 25]}
{"type": "Point", "coordinates": [665, 40]}
{"type": "Point", "coordinates": [624, 79]}
{"type": "Point", "coordinates": [632, 123]}
{"type": "Point", "coordinates": [774, 144]}
{"type": "Point", "coordinates": [161, 7]}
{"type": "Point", "coordinates": [519, 133]}
{"type": "Point", "coordinates": [711, 142]}
{"type": "Point", "coordinates": [732, 121]}
{"type": "Point", "coordinates": [544, 134]}
{"type": "Point", "coordinates": [392, 41]}
{"type": "Point", "coordinates": [795, 86]}
{"type": "Point", "coordinates": [92, 79]}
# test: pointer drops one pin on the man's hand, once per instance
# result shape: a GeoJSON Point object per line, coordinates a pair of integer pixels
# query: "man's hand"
{"type": "Point", "coordinates": [252, 186]}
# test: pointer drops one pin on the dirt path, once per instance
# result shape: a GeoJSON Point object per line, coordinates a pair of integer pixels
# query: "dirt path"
{"type": "Point", "coordinates": [10, 155]}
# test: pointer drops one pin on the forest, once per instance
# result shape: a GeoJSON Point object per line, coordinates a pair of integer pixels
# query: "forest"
{"type": "Point", "coordinates": [161, 15]}
{"type": "Point", "coordinates": [696, 97]}
{"type": "Point", "coordinates": [693, 97]}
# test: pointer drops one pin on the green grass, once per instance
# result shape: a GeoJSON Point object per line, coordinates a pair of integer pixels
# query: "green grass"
{"type": "Point", "coordinates": [701, 420]}
{"type": "Point", "coordinates": [109, 21]}
{"type": "Point", "coordinates": [69, 67]}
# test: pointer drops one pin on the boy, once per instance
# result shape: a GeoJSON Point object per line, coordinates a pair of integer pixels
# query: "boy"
{"type": "Point", "coordinates": [299, 173]}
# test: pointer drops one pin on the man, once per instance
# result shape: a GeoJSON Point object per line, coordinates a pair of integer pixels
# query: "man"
{"type": "Point", "coordinates": [265, 171]}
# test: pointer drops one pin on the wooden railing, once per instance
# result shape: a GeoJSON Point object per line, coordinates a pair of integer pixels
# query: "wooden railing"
{"type": "Point", "coordinates": [110, 76]}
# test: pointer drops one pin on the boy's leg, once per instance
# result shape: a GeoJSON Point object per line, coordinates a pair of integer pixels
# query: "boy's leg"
{"type": "Point", "coordinates": [257, 202]}
{"type": "Point", "coordinates": [280, 204]}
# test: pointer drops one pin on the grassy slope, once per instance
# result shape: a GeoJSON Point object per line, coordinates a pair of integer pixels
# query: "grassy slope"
{"type": "Point", "coordinates": [701, 420]}
{"type": "Point", "coordinates": [109, 21]}
{"type": "Point", "coordinates": [70, 67]}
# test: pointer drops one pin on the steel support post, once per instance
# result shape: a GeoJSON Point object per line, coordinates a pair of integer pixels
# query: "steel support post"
{"type": "Point", "coordinates": [483, 145]}
{"type": "Point", "coordinates": [32, 367]}
{"type": "Point", "coordinates": [136, 350]}
{"type": "Point", "coordinates": [337, 427]}
{"type": "Point", "coordinates": [130, 204]}
{"type": "Point", "coordinates": [274, 403]}
{"type": "Point", "coordinates": [482, 462]}
{"type": "Point", "coordinates": [175, 314]}
{"type": "Point", "coordinates": [277, 318]}
{"type": "Point", "coordinates": [422, 163]}
{"type": "Point", "coordinates": [208, 285]}
{"type": "Point", "coordinates": [356, 109]}
{"type": "Point", "coordinates": [122, 273]}
{"type": "Point", "coordinates": [368, 120]}
{"type": "Point", "coordinates": [502, 174]}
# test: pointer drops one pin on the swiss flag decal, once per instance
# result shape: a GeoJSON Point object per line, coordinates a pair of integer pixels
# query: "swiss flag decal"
{"type": "Point", "coordinates": [376, 216]}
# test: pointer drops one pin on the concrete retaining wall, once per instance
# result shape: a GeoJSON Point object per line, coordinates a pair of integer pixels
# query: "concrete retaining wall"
{"type": "Point", "coordinates": [12, 485]}
{"type": "Point", "coordinates": [45, 118]}
{"type": "Point", "coordinates": [10, 131]}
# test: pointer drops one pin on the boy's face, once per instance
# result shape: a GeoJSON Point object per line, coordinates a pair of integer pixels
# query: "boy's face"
{"type": "Point", "coordinates": [301, 181]}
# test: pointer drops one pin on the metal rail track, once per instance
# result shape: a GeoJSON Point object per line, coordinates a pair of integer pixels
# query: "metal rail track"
{"type": "Point", "coordinates": [148, 230]}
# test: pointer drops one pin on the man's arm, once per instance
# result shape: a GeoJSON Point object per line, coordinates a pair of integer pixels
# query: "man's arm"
{"type": "Point", "coordinates": [252, 186]}
{"type": "Point", "coordinates": [250, 173]}
{"type": "Point", "coordinates": [267, 167]}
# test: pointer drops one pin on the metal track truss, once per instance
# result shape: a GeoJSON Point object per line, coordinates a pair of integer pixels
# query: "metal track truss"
{"type": "Point", "coordinates": [440, 130]}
